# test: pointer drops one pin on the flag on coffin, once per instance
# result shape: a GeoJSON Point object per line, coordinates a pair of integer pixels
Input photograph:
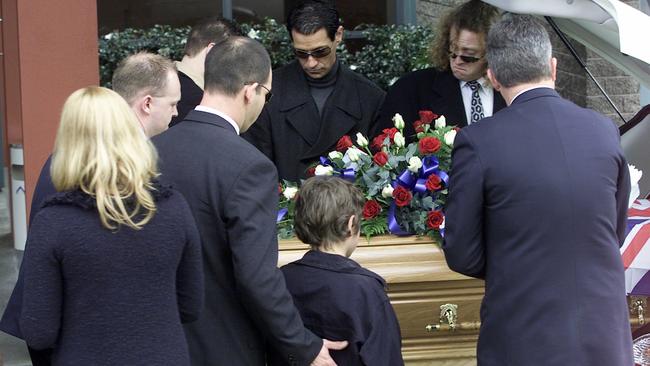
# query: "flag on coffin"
{"type": "Point", "coordinates": [635, 252]}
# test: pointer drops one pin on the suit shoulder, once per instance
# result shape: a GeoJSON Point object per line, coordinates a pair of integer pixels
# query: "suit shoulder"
{"type": "Point", "coordinates": [417, 77]}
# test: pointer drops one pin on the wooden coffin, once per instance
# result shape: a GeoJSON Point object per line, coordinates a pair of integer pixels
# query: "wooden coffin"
{"type": "Point", "coordinates": [419, 283]}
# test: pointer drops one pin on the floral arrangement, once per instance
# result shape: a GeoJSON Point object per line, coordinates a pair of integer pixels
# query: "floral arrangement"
{"type": "Point", "coordinates": [405, 185]}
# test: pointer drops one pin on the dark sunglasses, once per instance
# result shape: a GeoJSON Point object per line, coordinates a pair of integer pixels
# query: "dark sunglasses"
{"type": "Point", "coordinates": [268, 95]}
{"type": "Point", "coordinates": [317, 53]}
{"type": "Point", "coordinates": [468, 59]}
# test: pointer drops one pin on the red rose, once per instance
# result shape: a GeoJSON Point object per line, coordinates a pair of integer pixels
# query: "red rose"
{"type": "Point", "coordinates": [344, 143]}
{"type": "Point", "coordinates": [311, 171]}
{"type": "Point", "coordinates": [427, 116]}
{"type": "Point", "coordinates": [279, 188]}
{"type": "Point", "coordinates": [390, 132]}
{"type": "Point", "coordinates": [418, 126]}
{"type": "Point", "coordinates": [371, 209]}
{"type": "Point", "coordinates": [429, 145]}
{"type": "Point", "coordinates": [433, 183]}
{"type": "Point", "coordinates": [435, 219]}
{"type": "Point", "coordinates": [380, 158]}
{"type": "Point", "coordinates": [378, 142]}
{"type": "Point", "coordinates": [402, 196]}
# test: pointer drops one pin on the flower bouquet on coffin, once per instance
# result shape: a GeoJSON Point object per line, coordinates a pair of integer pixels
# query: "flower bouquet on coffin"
{"type": "Point", "coordinates": [405, 185]}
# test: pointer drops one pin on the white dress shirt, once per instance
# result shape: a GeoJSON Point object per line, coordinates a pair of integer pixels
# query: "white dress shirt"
{"type": "Point", "coordinates": [485, 92]}
{"type": "Point", "coordinates": [203, 108]}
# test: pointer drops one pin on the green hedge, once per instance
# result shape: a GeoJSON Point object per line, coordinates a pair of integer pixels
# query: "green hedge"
{"type": "Point", "coordinates": [387, 52]}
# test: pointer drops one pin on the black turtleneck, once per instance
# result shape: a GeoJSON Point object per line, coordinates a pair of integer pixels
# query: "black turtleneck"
{"type": "Point", "coordinates": [322, 88]}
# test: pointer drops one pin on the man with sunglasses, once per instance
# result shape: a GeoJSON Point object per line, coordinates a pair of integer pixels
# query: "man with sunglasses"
{"type": "Point", "coordinates": [456, 86]}
{"type": "Point", "coordinates": [316, 99]}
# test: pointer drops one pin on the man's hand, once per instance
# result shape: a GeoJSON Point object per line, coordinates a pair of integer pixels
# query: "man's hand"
{"type": "Point", "coordinates": [323, 358]}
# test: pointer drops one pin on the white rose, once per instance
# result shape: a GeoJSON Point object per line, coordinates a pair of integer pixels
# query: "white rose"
{"type": "Point", "coordinates": [387, 192]}
{"type": "Point", "coordinates": [398, 121]}
{"type": "Point", "coordinates": [440, 122]}
{"type": "Point", "coordinates": [449, 137]}
{"type": "Point", "coordinates": [253, 34]}
{"type": "Point", "coordinates": [324, 170]}
{"type": "Point", "coordinates": [353, 154]}
{"type": "Point", "coordinates": [361, 140]}
{"type": "Point", "coordinates": [415, 164]}
{"type": "Point", "coordinates": [335, 155]}
{"type": "Point", "coordinates": [399, 139]}
{"type": "Point", "coordinates": [290, 192]}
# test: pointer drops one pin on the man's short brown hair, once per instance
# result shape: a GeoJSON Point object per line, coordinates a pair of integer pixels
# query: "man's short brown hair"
{"type": "Point", "coordinates": [140, 74]}
{"type": "Point", "coordinates": [323, 207]}
{"type": "Point", "coordinates": [210, 30]}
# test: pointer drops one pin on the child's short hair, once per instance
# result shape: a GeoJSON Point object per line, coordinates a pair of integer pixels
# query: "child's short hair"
{"type": "Point", "coordinates": [323, 207]}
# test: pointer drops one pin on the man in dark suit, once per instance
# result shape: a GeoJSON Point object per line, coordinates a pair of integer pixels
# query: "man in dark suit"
{"type": "Point", "coordinates": [317, 99]}
{"type": "Point", "coordinates": [233, 192]}
{"type": "Point", "coordinates": [537, 207]}
{"type": "Point", "coordinates": [456, 86]}
{"type": "Point", "coordinates": [148, 82]}
{"type": "Point", "coordinates": [190, 69]}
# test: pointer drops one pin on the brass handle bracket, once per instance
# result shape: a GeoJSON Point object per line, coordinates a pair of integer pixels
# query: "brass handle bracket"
{"type": "Point", "coordinates": [449, 320]}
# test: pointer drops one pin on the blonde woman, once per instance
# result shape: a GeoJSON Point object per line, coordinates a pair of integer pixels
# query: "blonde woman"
{"type": "Point", "coordinates": [112, 263]}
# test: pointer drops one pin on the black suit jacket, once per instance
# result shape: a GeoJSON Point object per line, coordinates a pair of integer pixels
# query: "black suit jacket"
{"type": "Point", "coordinates": [290, 131]}
{"type": "Point", "coordinates": [537, 207]}
{"type": "Point", "coordinates": [191, 95]}
{"type": "Point", "coordinates": [427, 89]}
{"type": "Point", "coordinates": [232, 191]}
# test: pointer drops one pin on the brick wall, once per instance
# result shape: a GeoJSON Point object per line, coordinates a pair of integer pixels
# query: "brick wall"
{"type": "Point", "coordinates": [572, 81]}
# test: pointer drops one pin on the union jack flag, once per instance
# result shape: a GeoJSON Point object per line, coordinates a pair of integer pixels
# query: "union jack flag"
{"type": "Point", "coordinates": [635, 252]}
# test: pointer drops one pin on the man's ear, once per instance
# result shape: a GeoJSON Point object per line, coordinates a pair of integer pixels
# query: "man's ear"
{"type": "Point", "coordinates": [249, 91]}
{"type": "Point", "coordinates": [493, 80]}
{"type": "Point", "coordinates": [209, 47]}
{"type": "Point", "coordinates": [338, 36]}
{"type": "Point", "coordinates": [553, 68]}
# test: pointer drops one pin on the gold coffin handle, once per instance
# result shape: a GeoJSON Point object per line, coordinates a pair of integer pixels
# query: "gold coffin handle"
{"type": "Point", "coordinates": [449, 320]}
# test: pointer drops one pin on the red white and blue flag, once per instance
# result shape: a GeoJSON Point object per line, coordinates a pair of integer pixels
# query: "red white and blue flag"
{"type": "Point", "coordinates": [635, 251]}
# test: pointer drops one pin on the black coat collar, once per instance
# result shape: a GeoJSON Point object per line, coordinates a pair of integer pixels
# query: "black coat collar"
{"type": "Point", "coordinates": [342, 110]}
{"type": "Point", "coordinates": [336, 263]}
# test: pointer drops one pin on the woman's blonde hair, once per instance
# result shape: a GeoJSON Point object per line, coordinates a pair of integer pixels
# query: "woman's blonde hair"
{"type": "Point", "coordinates": [101, 150]}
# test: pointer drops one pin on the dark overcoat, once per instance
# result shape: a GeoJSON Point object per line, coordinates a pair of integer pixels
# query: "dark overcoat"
{"type": "Point", "coordinates": [427, 89]}
{"type": "Point", "coordinates": [537, 207]}
{"type": "Point", "coordinates": [290, 131]}
{"type": "Point", "coordinates": [191, 95]}
{"type": "Point", "coordinates": [232, 190]}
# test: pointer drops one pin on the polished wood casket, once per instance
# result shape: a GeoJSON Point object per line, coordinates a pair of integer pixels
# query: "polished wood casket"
{"type": "Point", "coordinates": [438, 310]}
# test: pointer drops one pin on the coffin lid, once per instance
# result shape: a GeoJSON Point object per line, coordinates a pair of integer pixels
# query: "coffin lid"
{"type": "Point", "coordinates": [614, 30]}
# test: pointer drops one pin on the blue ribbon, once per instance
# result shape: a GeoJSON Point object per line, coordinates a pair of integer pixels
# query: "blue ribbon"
{"type": "Point", "coordinates": [325, 161]}
{"type": "Point", "coordinates": [281, 214]}
{"type": "Point", "coordinates": [393, 226]}
{"type": "Point", "coordinates": [348, 174]}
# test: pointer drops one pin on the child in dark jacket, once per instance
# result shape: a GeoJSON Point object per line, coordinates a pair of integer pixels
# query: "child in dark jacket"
{"type": "Point", "coordinates": [337, 298]}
